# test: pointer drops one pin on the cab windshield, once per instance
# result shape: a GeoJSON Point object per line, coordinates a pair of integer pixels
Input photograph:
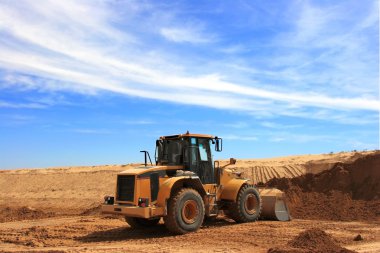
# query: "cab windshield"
{"type": "Point", "coordinates": [170, 152]}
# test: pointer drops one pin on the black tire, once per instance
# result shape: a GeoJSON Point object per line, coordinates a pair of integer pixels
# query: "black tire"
{"type": "Point", "coordinates": [186, 212]}
{"type": "Point", "coordinates": [141, 222]}
{"type": "Point", "coordinates": [247, 207]}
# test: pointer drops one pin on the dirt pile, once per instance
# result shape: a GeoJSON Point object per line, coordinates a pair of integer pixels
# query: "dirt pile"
{"type": "Point", "coordinates": [332, 206]}
{"type": "Point", "coordinates": [312, 240]}
{"type": "Point", "coordinates": [262, 170]}
{"type": "Point", "coordinates": [346, 192]}
{"type": "Point", "coordinates": [22, 213]}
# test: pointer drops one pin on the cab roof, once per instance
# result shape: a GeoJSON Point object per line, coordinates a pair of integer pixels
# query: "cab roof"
{"type": "Point", "coordinates": [187, 134]}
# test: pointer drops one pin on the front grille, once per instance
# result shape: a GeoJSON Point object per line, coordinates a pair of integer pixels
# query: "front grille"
{"type": "Point", "coordinates": [154, 184]}
{"type": "Point", "coordinates": [125, 188]}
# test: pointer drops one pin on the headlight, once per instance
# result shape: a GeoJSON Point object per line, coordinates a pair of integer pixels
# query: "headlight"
{"type": "Point", "coordinates": [143, 202]}
{"type": "Point", "coordinates": [109, 200]}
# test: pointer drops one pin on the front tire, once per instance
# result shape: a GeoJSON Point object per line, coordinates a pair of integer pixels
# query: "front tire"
{"type": "Point", "coordinates": [141, 222]}
{"type": "Point", "coordinates": [185, 212]}
{"type": "Point", "coordinates": [247, 207]}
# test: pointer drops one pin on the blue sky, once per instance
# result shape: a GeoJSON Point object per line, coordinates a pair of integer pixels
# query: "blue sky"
{"type": "Point", "coordinates": [94, 82]}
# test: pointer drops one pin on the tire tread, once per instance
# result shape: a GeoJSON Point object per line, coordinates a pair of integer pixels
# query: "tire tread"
{"type": "Point", "coordinates": [170, 219]}
{"type": "Point", "coordinates": [235, 210]}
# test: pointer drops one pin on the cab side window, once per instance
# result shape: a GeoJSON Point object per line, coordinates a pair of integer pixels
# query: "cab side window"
{"type": "Point", "coordinates": [203, 152]}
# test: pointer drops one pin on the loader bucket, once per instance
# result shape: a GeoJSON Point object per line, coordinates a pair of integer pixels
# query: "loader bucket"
{"type": "Point", "coordinates": [274, 205]}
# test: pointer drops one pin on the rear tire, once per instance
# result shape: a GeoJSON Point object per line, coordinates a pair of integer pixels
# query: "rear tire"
{"type": "Point", "coordinates": [185, 212]}
{"type": "Point", "coordinates": [141, 222]}
{"type": "Point", "coordinates": [247, 207]}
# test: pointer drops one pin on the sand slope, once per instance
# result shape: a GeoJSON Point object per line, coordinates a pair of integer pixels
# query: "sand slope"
{"type": "Point", "coordinates": [262, 170]}
{"type": "Point", "coordinates": [60, 190]}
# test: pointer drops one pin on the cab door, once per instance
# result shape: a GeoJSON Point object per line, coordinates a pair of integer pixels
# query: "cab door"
{"type": "Point", "coordinates": [205, 161]}
{"type": "Point", "coordinates": [200, 160]}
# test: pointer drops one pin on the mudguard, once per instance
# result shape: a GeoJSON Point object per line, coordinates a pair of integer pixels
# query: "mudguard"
{"type": "Point", "coordinates": [174, 182]}
{"type": "Point", "coordinates": [231, 189]}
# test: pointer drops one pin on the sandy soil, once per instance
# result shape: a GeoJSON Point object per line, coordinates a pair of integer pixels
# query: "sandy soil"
{"type": "Point", "coordinates": [59, 190]}
{"type": "Point", "coordinates": [55, 210]}
{"type": "Point", "coordinates": [94, 233]}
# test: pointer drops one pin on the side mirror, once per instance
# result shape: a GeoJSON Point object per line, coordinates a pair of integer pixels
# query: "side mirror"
{"type": "Point", "coordinates": [218, 144]}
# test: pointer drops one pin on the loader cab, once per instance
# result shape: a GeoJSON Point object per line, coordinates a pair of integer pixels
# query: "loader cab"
{"type": "Point", "coordinates": [193, 151]}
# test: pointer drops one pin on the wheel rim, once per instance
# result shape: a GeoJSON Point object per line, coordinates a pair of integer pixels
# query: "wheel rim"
{"type": "Point", "coordinates": [250, 204]}
{"type": "Point", "coordinates": [190, 211]}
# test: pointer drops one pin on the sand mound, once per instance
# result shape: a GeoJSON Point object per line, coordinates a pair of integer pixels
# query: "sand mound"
{"type": "Point", "coordinates": [22, 213]}
{"type": "Point", "coordinates": [312, 240]}
{"type": "Point", "coordinates": [262, 170]}
{"type": "Point", "coordinates": [360, 179]}
{"type": "Point", "coordinates": [332, 206]}
{"type": "Point", "coordinates": [346, 192]}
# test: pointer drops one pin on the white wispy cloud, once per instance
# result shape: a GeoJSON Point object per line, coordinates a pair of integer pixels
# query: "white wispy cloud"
{"type": "Point", "coordinates": [237, 125]}
{"type": "Point", "coordinates": [274, 125]}
{"type": "Point", "coordinates": [234, 49]}
{"type": "Point", "coordinates": [330, 49]}
{"type": "Point", "coordinates": [5, 104]}
{"type": "Point", "coordinates": [184, 35]}
{"type": "Point", "coordinates": [301, 137]}
{"type": "Point", "coordinates": [76, 46]}
{"type": "Point", "coordinates": [240, 137]}
{"type": "Point", "coordinates": [16, 119]}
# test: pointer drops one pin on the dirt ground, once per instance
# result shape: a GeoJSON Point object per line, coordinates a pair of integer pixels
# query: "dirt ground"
{"type": "Point", "coordinates": [56, 209]}
{"type": "Point", "coordinates": [109, 234]}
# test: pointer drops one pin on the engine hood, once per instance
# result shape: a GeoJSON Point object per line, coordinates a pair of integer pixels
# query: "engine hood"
{"type": "Point", "coordinates": [148, 169]}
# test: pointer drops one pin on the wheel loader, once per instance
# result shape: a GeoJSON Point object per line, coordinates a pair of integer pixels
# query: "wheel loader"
{"type": "Point", "coordinates": [185, 186]}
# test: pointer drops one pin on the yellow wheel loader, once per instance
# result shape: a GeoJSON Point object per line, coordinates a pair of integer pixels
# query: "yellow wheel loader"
{"type": "Point", "coordinates": [185, 186]}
